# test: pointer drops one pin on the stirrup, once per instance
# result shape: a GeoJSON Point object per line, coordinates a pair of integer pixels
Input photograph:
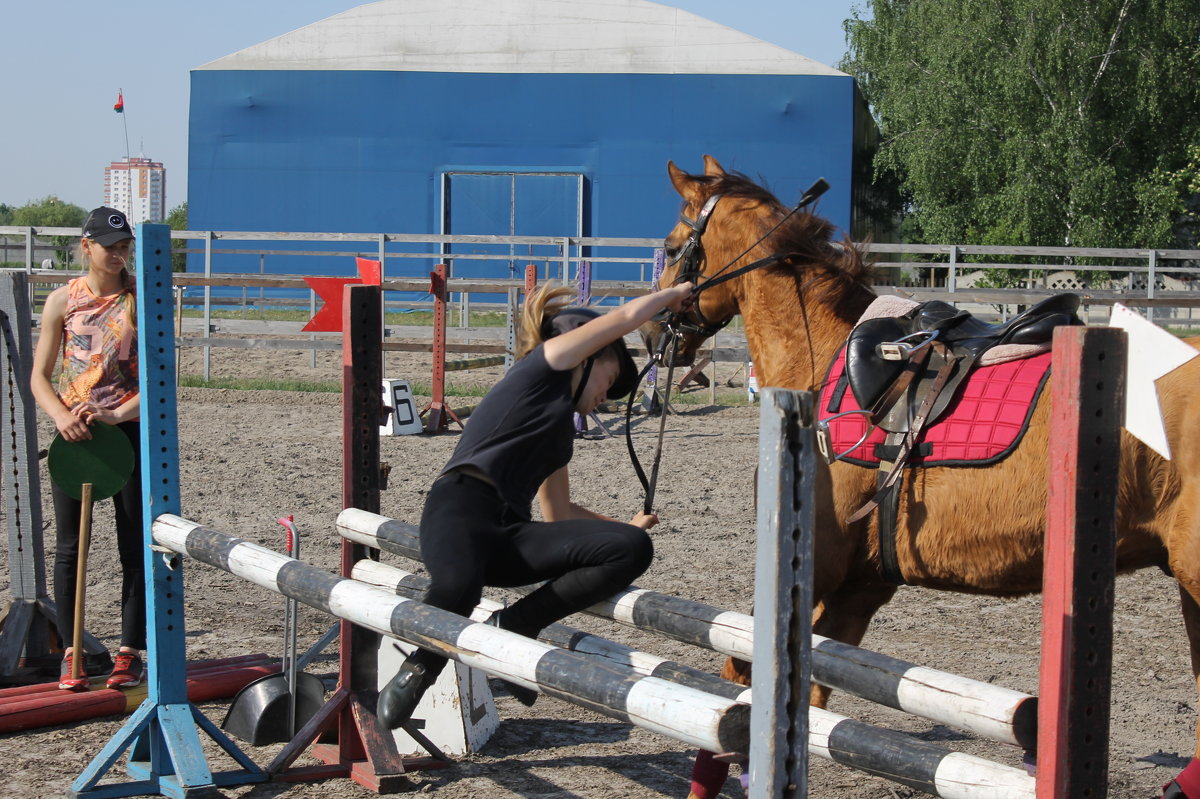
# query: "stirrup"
{"type": "Point", "coordinates": [901, 349]}
{"type": "Point", "coordinates": [825, 438]}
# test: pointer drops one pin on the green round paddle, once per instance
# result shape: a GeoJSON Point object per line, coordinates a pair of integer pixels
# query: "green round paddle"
{"type": "Point", "coordinates": [105, 460]}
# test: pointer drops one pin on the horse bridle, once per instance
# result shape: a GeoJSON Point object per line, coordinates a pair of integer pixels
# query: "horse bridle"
{"type": "Point", "coordinates": [689, 257]}
{"type": "Point", "coordinates": [692, 253]}
{"type": "Point", "coordinates": [678, 324]}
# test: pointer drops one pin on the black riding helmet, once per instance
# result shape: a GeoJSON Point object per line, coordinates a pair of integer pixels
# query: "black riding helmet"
{"type": "Point", "coordinates": [573, 317]}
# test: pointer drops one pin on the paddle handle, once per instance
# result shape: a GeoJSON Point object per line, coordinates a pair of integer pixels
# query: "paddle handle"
{"type": "Point", "coordinates": [85, 540]}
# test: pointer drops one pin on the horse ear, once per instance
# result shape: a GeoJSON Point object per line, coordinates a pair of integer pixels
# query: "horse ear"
{"type": "Point", "coordinates": [684, 183]}
{"type": "Point", "coordinates": [711, 168]}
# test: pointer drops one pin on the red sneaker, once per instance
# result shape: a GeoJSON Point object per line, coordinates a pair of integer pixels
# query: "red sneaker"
{"type": "Point", "coordinates": [68, 683]}
{"type": "Point", "coordinates": [127, 671]}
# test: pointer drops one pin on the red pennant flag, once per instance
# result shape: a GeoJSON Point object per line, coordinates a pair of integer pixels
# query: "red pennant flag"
{"type": "Point", "coordinates": [328, 318]}
{"type": "Point", "coordinates": [119, 106]}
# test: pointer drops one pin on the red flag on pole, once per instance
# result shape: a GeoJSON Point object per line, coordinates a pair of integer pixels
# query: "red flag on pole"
{"type": "Point", "coordinates": [119, 106]}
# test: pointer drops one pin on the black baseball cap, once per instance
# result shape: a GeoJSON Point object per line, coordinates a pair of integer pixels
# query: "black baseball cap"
{"type": "Point", "coordinates": [573, 317]}
{"type": "Point", "coordinates": [106, 226]}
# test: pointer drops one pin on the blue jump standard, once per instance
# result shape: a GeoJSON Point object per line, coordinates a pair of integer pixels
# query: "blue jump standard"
{"type": "Point", "coordinates": [162, 736]}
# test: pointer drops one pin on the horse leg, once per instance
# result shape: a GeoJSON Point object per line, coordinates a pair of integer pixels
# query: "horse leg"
{"type": "Point", "coordinates": [1187, 784]}
{"type": "Point", "coordinates": [709, 773]}
{"type": "Point", "coordinates": [845, 615]}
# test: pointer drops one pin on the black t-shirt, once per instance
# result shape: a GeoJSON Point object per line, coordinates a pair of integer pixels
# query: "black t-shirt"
{"type": "Point", "coordinates": [522, 431]}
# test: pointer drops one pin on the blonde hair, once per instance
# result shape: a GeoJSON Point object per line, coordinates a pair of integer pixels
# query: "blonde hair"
{"type": "Point", "coordinates": [545, 303]}
{"type": "Point", "coordinates": [129, 300]}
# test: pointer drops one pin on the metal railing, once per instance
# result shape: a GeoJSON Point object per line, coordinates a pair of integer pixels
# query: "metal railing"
{"type": "Point", "coordinates": [1165, 283]}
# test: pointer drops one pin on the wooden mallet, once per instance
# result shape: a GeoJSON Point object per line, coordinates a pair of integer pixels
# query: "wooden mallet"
{"type": "Point", "coordinates": [88, 470]}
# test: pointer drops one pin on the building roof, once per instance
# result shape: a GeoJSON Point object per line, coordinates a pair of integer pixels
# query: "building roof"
{"type": "Point", "coordinates": [521, 36]}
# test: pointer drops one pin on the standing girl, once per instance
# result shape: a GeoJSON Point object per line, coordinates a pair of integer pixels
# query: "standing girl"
{"type": "Point", "coordinates": [91, 323]}
{"type": "Point", "coordinates": [477, 526]}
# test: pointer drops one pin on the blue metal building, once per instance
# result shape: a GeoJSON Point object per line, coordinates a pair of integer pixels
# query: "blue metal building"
{"type": "Point", "coordinates": [521, 117]}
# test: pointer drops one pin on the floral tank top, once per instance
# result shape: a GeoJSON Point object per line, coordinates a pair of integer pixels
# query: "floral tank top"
{"type": "Point", "coordinates": [99, 347]}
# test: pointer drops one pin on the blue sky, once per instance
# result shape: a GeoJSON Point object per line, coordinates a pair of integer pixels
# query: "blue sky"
{"type": "Point", "coordinates": [64, 61]}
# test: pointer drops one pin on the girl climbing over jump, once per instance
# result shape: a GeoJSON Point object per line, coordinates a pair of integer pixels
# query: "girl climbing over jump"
{"type": "Point", "coordinates": [91, 324]}
{"type": "Point", "coordinates": [477, 528]}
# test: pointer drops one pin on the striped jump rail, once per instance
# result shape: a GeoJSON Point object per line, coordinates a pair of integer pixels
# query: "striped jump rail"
{"type": "Point", "coordinates": [678, 712]}
{"type": "Point", "coordinates": [885, 753]}
{"type": "Point", "coordinates": [990, 711]}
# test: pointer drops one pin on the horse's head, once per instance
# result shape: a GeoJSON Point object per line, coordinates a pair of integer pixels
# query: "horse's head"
{"type": "Point", "coordinates": [747, 251]}
{"type": "Point", "coordinates": [716, 230]}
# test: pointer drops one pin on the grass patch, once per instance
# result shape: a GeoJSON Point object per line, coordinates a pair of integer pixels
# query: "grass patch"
{"type": "Point", "coordinates": [310, 386]}
{"type": "Point", "coordinates": [725, 398]}
{"type": "Point", "coordinates": [262, 384]}
{"type": "Point", "coordinates": [395, 318]}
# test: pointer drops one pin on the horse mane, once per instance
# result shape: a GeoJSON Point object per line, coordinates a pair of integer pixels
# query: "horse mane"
{"type": "Point", "coordinates": [807, 237]}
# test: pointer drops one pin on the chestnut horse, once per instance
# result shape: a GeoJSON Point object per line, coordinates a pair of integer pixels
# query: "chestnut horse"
{"type": "Point", "coordinates": [973, 530]}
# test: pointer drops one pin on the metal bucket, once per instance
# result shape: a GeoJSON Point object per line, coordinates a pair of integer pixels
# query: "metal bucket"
{"type": "Point", "coordinates": [259, 712]}
{"type": "Point", "coordinates": [271, 709]}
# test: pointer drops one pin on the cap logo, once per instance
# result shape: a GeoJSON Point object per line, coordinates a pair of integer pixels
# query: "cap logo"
{"type": "Point", "coordinates": [116, 221]}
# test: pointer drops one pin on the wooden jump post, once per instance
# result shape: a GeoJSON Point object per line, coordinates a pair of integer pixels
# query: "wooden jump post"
{"type": "Point", "coordinates": [1087, 411]}
{"type": "Point", "coordinates": [27, 622]}
{"type": "Point", "coordinates": [364, 750]}
{"type": "Point", "coordinates": [440, 414]}
{"type": "Point", "coordinates": [783, 596]}
{"type": "Point", "coordinates": [162, 736]}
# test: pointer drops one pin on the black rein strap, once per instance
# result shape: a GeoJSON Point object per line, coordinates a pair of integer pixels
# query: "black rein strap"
{"type": "Point", "coordinates": [648, 485]}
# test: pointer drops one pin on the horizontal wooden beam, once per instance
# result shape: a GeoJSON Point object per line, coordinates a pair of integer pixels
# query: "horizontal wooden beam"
{"type": "Point", "coordinates": [991, 711]}
{"type": "Point", "coordinates": [681, 713]}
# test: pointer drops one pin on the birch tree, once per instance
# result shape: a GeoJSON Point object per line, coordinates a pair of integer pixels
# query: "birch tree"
{"type": "Point", "coordinates": [1034, 122]}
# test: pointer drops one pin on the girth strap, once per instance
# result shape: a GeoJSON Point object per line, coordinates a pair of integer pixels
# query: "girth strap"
{"type": "Point", "coordinates": [910, 439]}
{"type": "Point", "coordinates": [888, 520]}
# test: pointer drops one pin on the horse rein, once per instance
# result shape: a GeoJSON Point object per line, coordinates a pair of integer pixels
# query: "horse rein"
{"type": "Point", "coordinates": [656, 357]}
{"type": "Point", "coordinates": [677, 325]}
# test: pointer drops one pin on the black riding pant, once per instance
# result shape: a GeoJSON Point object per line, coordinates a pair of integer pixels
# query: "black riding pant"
{"type": "Point", "coordinates": [470, 538]}
{"type": "Point", "coordinates": [127, 504]}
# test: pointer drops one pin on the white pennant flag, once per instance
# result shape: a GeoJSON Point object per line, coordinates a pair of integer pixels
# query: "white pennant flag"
{"type": "Point", "coordinates": [1153, 352]}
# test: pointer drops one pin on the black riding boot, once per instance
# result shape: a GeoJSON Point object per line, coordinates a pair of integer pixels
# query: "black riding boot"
{"type": "Point", "coordinates": [400, 697]}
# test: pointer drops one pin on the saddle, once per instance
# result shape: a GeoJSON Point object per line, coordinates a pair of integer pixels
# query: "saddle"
{"type": "Point", "coordinates": [904, 371]}
{"type": "Point", "coordinates": [893, 363]}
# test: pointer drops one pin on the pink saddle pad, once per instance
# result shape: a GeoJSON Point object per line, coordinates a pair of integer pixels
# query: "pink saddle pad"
{"type": "Point", "coordinates": [980, 426]}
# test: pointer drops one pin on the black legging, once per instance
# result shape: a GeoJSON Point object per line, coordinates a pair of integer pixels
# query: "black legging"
{"type": "Point", "coordinates": [470, 538]}
{"type": "Point", "coordinates": [127, 504]}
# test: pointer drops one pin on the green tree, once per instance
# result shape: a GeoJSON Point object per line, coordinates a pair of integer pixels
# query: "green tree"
{"type": "Point", "coordinates": [6, 212]}
{"type": "Point", "coordinates": [177, 220]}
{"type": "Point", "coordinates": [52, 212]}
{"type": "Point", "coordinates": [49, 212]}
{"type": "Point", "coordinates": [1034, 122]}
